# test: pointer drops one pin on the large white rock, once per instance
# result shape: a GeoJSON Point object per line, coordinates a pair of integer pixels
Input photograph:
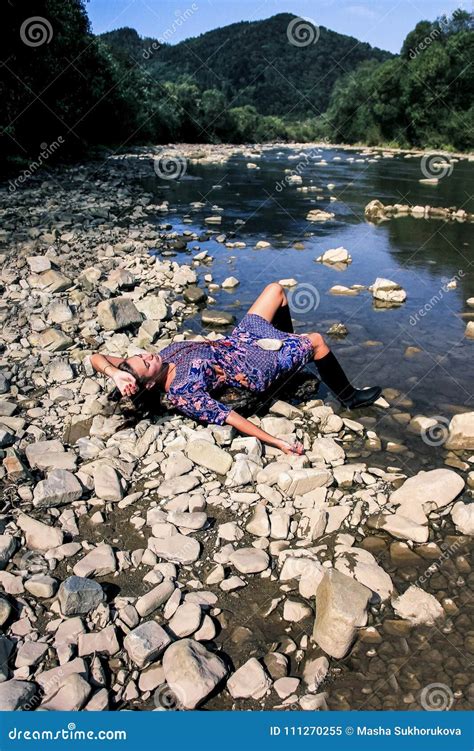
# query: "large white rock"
{"type": "Point", "coordinates": [98, 562]}
{"type": "Point", "coordinates": [462, 515]}
{"type": "Point", "coordinates": [387, 291]}
{"type": "Point", "coordinates": [60, 487]}
{"type": "Point", "coordinates": [427, 491]}
{"type": "Point", "coordinates": [177, 548]}
{"type": "Point", "coordinates": [42, 448]}
{"type": "Point", "coordinates": [362, 565]}
{"type": "Point", "coordinates": [249, 681]}
{"type": "Point", "coordinates": [145, 643]}
{"type": "Point", "coordinates": [192, 672]}
{"type": "Point", "coordinates": [153, 308]}
{"type": "Point", "coordinates": [186, 619]}
{"type": "Point", "coordinates": [249, 560]}
{"type": "Point", "coordinates": [208, 455]}
{"type": "Point", "coordinates": [400, 527]}
{"type": "Point", "coordinates": [118, 313]}
{"type": "Point", "coordinates": [341, 604]}
{"type": "Point", "coordinates": [461, 432]}
{"type": "Point", "coordinates": [335, 256]}
{"type": "Point", "coordinates": [299, 481]}
{"type": "Point", "coordinates": [107, 483]}
{"type": "Point", "coordinates": [71, 695]}
{"type": "Point", "coordinates": [178, 485]}
{"type": "Point", "coordinates": [39, 536]}
{"type": "Point", "coordinates": [100, 642]}
{"type": "Point", "coordinates": [418, 606]}
{"type": "Point", "coordinates": [327, 449]}
{"type": "Point", "coordinates": [156, 597]}
{"type": "Point", "coordinates": [259, 524]}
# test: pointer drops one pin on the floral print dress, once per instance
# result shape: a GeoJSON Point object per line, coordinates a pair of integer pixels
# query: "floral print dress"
{"type": "Point", "coordinates": [236, 360]}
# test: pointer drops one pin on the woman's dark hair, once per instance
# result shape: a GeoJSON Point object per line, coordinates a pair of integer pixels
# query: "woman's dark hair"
{"type": "Point", "coordinates": [145, 400]}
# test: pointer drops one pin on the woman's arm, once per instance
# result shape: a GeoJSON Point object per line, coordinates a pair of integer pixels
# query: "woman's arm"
{"type": "Point", "coordinates": [246, 426]}
{"type": "Point", "coordinates": [108, 365]}
{"type": "Point", "coordinates": [105, 364]}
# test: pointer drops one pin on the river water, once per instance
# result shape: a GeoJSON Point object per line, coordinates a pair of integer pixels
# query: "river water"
{"type": "Point", "coordinates": [418, 349]}
{"type": "Point", "coordinates": [421, 255]}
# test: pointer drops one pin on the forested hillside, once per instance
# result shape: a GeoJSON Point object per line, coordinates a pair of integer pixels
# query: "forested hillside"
{"type": "Point", "coordinates": [248, 82]}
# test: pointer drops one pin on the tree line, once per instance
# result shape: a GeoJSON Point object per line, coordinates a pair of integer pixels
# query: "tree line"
{"type": "Point", "coordinates": [58, 80]}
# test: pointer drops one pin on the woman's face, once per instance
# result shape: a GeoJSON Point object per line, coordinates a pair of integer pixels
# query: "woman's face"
{"type": "Point", "coordinates": [147, 367]}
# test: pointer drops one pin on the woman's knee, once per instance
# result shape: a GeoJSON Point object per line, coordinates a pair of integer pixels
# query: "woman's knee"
{"type": "Point", "coordinates": [275, 289]}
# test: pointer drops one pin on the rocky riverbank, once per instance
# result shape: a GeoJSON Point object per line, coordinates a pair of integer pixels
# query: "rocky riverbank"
{"type": "Point", "coordinates": [148, 562]}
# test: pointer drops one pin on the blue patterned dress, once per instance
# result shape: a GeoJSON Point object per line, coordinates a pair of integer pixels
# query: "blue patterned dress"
{"type": "Point", "coordinates": [236, 360]}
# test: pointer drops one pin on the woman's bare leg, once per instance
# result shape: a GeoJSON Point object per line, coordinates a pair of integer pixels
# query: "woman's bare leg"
{"type": "Point", "coordinates": [272, 305]}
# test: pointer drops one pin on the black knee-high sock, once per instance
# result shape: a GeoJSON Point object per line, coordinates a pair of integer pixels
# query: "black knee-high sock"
{"type": "Point", "coordinates": [282, 320]}
{"type": "Point", "coordinates": [333, 376]}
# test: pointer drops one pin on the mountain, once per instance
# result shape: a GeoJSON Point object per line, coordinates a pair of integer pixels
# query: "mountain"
{"type": "Point", "coordinates": [267, 64]}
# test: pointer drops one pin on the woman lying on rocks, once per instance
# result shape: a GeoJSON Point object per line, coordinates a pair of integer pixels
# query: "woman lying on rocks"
{"type": "Point", "coordinates": [188, 371]}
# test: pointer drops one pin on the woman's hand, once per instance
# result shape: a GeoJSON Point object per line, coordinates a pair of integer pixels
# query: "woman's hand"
{"type": "Point", "coordinates": [291, 448]}
{"type": "Point", "coordinates": [125, 382]}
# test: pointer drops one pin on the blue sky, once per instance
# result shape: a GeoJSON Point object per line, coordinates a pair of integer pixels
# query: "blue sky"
{"type": "Point", "coordinates": [382, 23]}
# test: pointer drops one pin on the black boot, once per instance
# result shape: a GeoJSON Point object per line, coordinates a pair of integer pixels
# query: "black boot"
{"type": "Point", "coordinates": [334, 377]}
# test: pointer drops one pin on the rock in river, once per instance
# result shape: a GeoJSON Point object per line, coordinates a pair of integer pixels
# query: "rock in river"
{"type": "Point", "coordinates": [461, 432]}
{"type": "Point", "coordinates": [418, 606]}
